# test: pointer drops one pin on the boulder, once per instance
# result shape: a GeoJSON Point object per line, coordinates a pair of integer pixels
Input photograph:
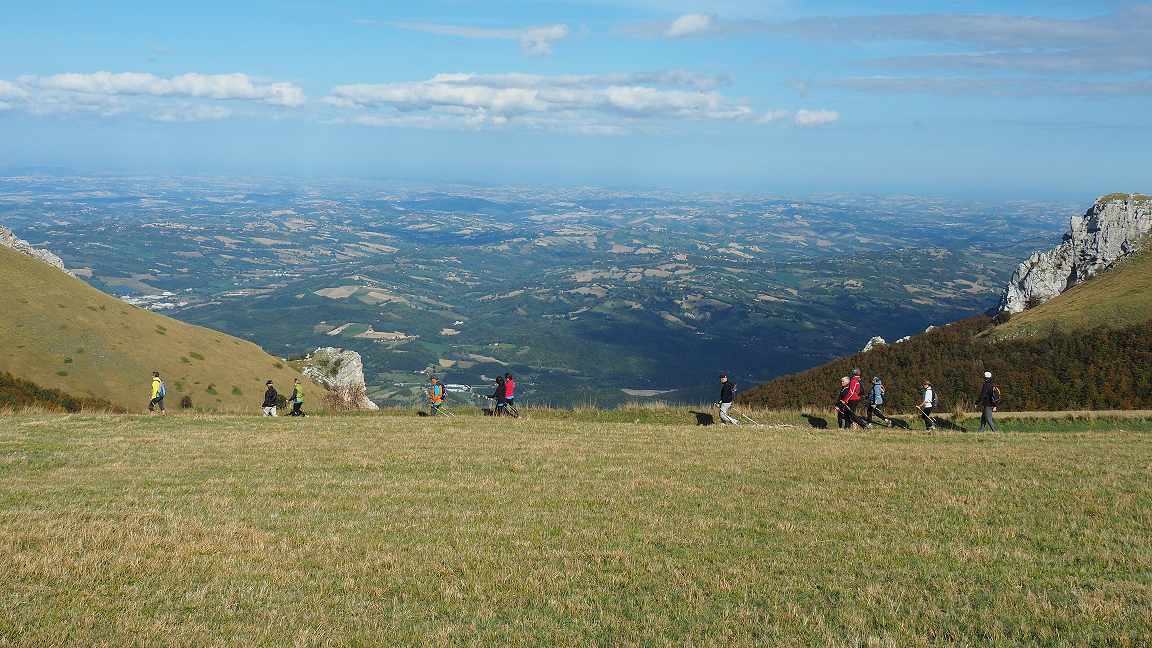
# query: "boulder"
{"type": "Point", "coordinates": [341, 372]}
{"type": "Point", "coordinates": [1115, 227]}
{"type": "Point", "coordinates": [8, 239]}
{"type": "Point", "coordinates": [873, 343]}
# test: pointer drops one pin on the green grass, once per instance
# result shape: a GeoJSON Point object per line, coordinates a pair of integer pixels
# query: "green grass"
{"type": "Point", "coordinates": [406, 531]}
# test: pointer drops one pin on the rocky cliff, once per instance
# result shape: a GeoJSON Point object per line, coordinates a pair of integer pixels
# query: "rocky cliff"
{"type": "Point", "coordinates": [8, 239]}
{"type": "Point", "coordinates": [1115, 227]}
{"type": "Point", "coordinates": [341, 372]}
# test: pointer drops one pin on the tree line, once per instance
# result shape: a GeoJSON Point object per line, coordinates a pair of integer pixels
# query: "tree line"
{"type": "Point", "coordinates": [1083, 370]}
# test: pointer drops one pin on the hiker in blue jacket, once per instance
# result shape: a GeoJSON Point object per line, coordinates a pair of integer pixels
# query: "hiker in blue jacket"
{"type": "Point", "coordinates": [876, 402]}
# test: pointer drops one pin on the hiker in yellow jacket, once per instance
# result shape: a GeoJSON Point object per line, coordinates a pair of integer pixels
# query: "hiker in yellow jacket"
{"type": "Point", "coordinates": [297, 399]}
{"type": "Point", "coordinates": [159, 391]}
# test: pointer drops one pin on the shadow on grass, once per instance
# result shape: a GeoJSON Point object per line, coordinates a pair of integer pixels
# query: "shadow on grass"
{"type": "Point", "coordinates": [704, 418]}
{"type": "Point", "coordinates": [817, 422]}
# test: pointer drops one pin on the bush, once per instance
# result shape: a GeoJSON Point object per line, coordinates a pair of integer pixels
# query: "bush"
{"type": "Point", "coordinates": [186, 402]}
{"type": "Point", "coordinates": [17, 394]}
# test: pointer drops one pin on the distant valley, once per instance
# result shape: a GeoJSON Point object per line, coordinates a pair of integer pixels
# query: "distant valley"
{"type": "Point", "coordinates": [588, 295]}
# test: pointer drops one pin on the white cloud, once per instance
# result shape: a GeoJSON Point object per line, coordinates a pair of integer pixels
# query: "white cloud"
{"type": "Point", "coordinates": [183, 98]}
{"type": "Point", "coordinates": [191, 113]}
{"type": "Point", "coordinates": [536, 41]}
{"type": "Point", "coordinates": [11, 90]}
{"type": "Point", "coordinates": [690, 25]}
{"type": "Point", "coordinates": [209, 86]}
{"type": "Point", "coordinates": [816, 117]}
{"type": "Point", "coordinates": [610, 103]}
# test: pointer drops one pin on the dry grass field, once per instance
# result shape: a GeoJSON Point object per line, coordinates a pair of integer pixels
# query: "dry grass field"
{"type": "Point", "coordinates": [332, 531]}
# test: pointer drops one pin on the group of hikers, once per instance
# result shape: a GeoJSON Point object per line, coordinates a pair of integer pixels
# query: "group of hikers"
{"type": "Point", "coordinates": [849, 400]}
{"type": "Point", "coordinates": [269, 407]}
{"type": "Point", "coordinates": [503, 397]}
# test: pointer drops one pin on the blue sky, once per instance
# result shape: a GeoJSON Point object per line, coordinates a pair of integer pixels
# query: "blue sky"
{"type": "Point", "coordinates": [1020, 99]}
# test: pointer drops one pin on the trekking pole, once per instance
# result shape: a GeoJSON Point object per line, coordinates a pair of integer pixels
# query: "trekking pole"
{"type": "Point", "coordinates": [876, 410]}
{"type": "Point", "coordinates": [930, 420]}
{"type": "Point", "coordinates": [744, 416]}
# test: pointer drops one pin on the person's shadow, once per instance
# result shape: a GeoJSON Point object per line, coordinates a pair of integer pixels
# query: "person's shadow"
{"type": "Point", "coordinates": [816, 421]}
{"type": "Point", "coordinates": [704, 418]}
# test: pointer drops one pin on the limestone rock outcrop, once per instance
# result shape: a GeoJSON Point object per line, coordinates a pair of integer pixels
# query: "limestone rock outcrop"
{"type": "Point", "coordinates": [9, 239]}
{"type": "Point", "coordinates": [341, 372]}
{"type": "Point", "coordinates": [873, 343]}
{"type": "Point", "coordinates": [1115, 227]}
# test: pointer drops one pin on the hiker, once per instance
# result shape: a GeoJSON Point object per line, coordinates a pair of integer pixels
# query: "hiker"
{"type": "Point", "coordinates": [435, 396]}
{"type": "Point", "coordinates": [854, 398]}
{"type": "Point", "coordinates": [727, 395]}
{"type": "Point", "coordinates": [876, 401]}
{"type": "Point", "coordinates": [297, 399]}
{"type": "Point", "coordinates": [926, 404]}
{"type": "Point", "coordinates": [842, 420]}
{"type": "Point", "coordinates": [989, 402]}
{"type": "Point", "coordinates": [159, 391]}
{"type": "Point", "coordinates": [510, 390]}
{"type": "Point", "coordinates": [270, 400]}
{"type": "Point", "coordinates": [500, 396]}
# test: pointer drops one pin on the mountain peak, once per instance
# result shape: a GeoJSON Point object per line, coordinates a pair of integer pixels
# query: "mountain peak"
{"type": "Point", "coordinates": [1115, 227]}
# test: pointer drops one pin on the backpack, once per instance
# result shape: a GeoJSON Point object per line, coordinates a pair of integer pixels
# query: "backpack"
{"type": "Point", "coordinates": [995, 395]}
{"type": "Point", "coordinates": [163, 390]}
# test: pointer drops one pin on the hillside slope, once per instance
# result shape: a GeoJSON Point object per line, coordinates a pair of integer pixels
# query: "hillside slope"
{"type": "Point", "coordinates": [1088, 348]}
{"type": "Point", "coordinates": [1115, 299]}
{"type": "Point", "coordinates": [60, 333]}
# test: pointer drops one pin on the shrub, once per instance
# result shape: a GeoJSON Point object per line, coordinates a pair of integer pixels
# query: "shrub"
{"type": "Point", "coordinates": [186, 402]}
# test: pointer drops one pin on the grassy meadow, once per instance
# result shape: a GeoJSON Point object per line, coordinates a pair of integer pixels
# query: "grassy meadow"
{"type": "Point", "coordinates": [390, 530]}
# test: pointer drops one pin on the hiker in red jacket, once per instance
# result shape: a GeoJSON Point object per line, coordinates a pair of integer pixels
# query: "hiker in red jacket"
{"type": "Point", "coordinates": [854, 397]}
{"type": "Point", "coordinates": [509, 389]}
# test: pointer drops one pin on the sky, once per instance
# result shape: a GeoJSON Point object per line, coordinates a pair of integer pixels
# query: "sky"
{"type": "Point", "coordinates": [1024, 99]}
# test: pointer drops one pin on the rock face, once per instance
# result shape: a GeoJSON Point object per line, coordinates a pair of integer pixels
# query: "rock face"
{"type": "Point", "coordinates": [873, 343]}
{"type": "Point", "coordinates": [8, 239]}
{"type": "Point", "coordinates": [1113, 229]}
{"type": "Point", "coordinates": [341, 372]}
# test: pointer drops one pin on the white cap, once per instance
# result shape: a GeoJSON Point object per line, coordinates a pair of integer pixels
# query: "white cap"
{"type": "Point", "coordinates": [987, 374]}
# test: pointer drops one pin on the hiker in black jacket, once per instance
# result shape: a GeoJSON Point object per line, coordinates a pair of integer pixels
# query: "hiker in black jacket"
{"type": "Point", "coordinates": [500, 396]}
{"type": "Point", "coordinates": [989, 401]}
{"type": "Point", "coordinates": [727, 395]}
{"type": "Point", "coordinates": [271, 398]}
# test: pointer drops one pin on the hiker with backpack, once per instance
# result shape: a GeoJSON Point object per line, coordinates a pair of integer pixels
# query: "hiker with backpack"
{"type": "Point", "coordinates": [727, 397]}
{"type": "Point", "coordinates": [435, 396]}
{"type": "Point", "coordinates": [159, 391]}
{"type": "Point", "coordinates": [271, 400]}
{"type": "Point", "coordinates": [500, 397]}
{"type": "Point", "coordinates": [927, 403]}
{"type": "Point", "coordinates": [989, 402]}
{"type": "Point", "coordinates": [842, 420]}
{"type": "Point", "coordinates": [297, 399]}
{"type": "Point", "coordinates": [876, 401]}
{"type": "Point", "coordinates": [853, 400]}
{"type": "Point", "coordinates": [510, 391]}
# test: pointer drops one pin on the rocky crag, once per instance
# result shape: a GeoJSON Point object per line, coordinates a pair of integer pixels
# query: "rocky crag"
{"type": "Point", "coordinates": [8, 239]}
{"type": "Point", "coordinates": [1115, 227]}
{"type": "Point", "coordinates": [341, 372]}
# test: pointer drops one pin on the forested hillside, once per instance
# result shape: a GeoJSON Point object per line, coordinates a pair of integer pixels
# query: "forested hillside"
{"type": "Point", "coordinates": [1094, 368]}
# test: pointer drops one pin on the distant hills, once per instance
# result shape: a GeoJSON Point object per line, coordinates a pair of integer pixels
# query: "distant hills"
{"type": "Point", "coordinates": [62, 334]}
{"type": "Point", "coordinates": [1087, 347]}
